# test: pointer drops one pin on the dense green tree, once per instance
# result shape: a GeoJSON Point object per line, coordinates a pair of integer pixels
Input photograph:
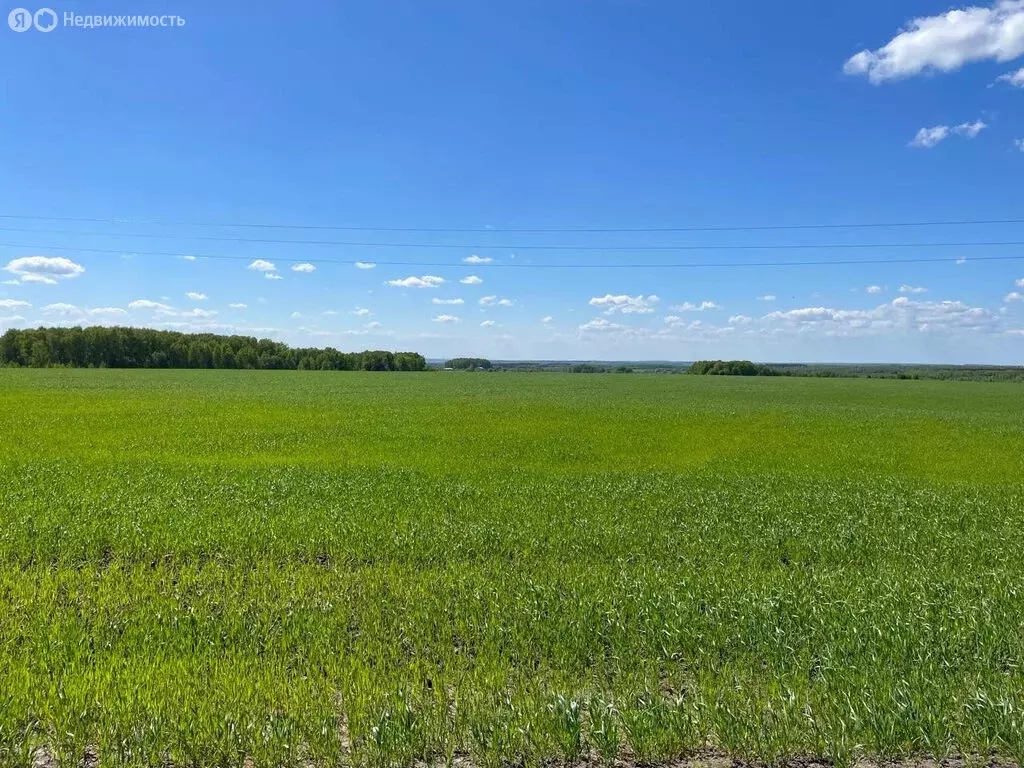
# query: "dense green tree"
{"type": "Point", "coordinates": [103, 347]}
{"type": "Point", "coordinates": [468, 363]}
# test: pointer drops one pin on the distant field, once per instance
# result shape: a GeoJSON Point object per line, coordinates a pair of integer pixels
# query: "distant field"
{"type": "Point", "coordinates": [310, 568]}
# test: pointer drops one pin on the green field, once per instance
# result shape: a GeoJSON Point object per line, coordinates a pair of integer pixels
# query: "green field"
{"type": "Point", "coordinates": [213, 567]}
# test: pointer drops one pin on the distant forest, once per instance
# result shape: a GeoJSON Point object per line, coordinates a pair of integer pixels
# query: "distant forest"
{"type": "Point", "coordinates": [104, 347]}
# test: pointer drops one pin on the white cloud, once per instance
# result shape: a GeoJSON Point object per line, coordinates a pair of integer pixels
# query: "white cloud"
{"type": "Point", "coordinates": [260, 265]}
{"type": "Point", "coordinates": [913, 289]}
{"type": "Point", "coordinates": [1020, 283]}
{"type": "Point", "coordinates": [147, 304]}
{"type": "Point", "coordinates": [740, 320]}
{"type": "Point", "coordinates": [199, 313]}
{"type": "Point", "coordinates": [1019, 144]}
{"type": "Point", "coordinates": [360, 312]}
{"type": "Point", "coordinates": [494, 301]}
{"type": "Point", "coordinates": [107, 311]}
{"type": "Point", "coordinates": [330, 312]}
{"type": "Point", "coordinates": [929, 137]}
{"type": "Point", "coordinates": [961, 260]}
{"type": "Point", "coordinates": [238, 305]}
{"type": "Point", "coordinates": [446, 319]}
{"type": "Point", "coordinates": [474, 259]}
{"type": "Point", "coordinates": [44, 269]}
{"type": "Point", "coordinates": [196, 296]}
{"type": "Point", "coordinates": [304, 267]}
{"type": "Point", "coordinates": [1015, 296]}
{"type": "Point", "coordinates": [272, 276]}
{"type": "Point", "coordinates": [547, 319]}
{"type": "Point", "coordinates": [902, 315]}
{"type": "Point", "coordinates": [426, 281]}
{"type": "Point", "coordinates": [365, 265]}
{"type": "Point", "coordinates": [62, 309]}
{"type": "Point", "coordinates": [189, 258]}
{"type": "Point", "coordinates": [9, 319]}
{"type": "Point", "coordinates": [600, 325]}
{"type": "Point", "coordinates": [15, 303]}
{"type": "Point", "coordinates": [673, 320]}
{"type": "Point", "coordinates": [296, 315]}
{"type": "Point", "coordinates": [687, 306]}
{"type": "Point", "coordinates": [446, 301]}
{"type": "Point", "coordinates": [372, 325]}
{"type": "Point", "coordinates": [627, 305]}
{"type": "Point", "coordinates": [874, 289]}
{"type": "Point", "coordinates": [946, 42]}
{"type": "Point", "coordinates": [1016, 79]}
{"type": "Point", "coordinates": [767, 297]}
{"type": "Point", "coordinates": [487, 324]}
{"type": "Point", "coordinates": [970, 130]}
{"type": "Point", "coordinates": [471, 280]}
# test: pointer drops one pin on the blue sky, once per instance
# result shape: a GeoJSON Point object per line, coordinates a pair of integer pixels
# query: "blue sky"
{"type": "Point", "coordinates": [524, 115]}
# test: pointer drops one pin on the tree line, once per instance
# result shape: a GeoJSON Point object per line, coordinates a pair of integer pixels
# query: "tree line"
{"type": "Point", "coordinates": [122, 347]}
{"type": "Point", "coordinates": [731, 368]}
{"type": "Point", "coordinates": [468, 363]}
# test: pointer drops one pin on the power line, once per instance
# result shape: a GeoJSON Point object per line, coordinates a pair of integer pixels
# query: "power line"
{"type": "Point", "coordinates": [481, 247]}
{"type": "Point", "coordinates": [450, 265]}
{"type": "Point", "coordinates": [484, 230]}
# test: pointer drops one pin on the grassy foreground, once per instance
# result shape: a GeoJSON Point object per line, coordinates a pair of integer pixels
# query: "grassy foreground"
{"type": "Point", "coordinates": [210, 567]}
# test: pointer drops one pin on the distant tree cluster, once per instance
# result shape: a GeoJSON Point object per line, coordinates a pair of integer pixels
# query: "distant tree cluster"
{"type": "Point", "coordinates": [592, 368]}
{"type": "Point", "coordinates": [468, 363]}
{"type": "Point", "coordinates": [104, 347]}
{"type": "Point", "coordinates": [730, 368]}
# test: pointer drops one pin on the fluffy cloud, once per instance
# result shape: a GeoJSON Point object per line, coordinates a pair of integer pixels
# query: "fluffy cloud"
{"type": "Point", "coordinates": [1016, 79]}
{"type": "Point", "coordinates": [874, 289]}
{"type": "Point", "coordinates": [767, 297]}
{"type": "Point", "coordinates": [365, 265]}
{"type": "Point", "coordinates": [1014, 296]}
{"type": "Point", "coordinates": [687, 306]}
{"type": "Point", "coordinates": [16, 303]}
{"type": "Point", "coordinates": [189, 258]}
{"type": "Point", "coordinates": [196, 296]}
{"type": "Point", "coordinates": [927, 138]}
{"type": "Point", "coordinates": [547, 319]}
{"type": "Point", "coordinates": [238, 305]}
{"type": "Point", "coordinates": [494, 301]}
{"type": "Point", "coordinates": [900, 315]}
{"type": "Point", "coordinates": [44, 269]}
{"type": "Point", "coordinates": [272, 276]}
{"type": "Point", "coordinates": [627, 305]}
{"type": "Point", "coordinates": [199, 313]}
{"type": "Point", "coordinates": [1020, 283]}
{"type": "Point", "coordinates": [360, 312]}
{"type": "Point", "coordinates": [446, 301]}
{"type": "Point", "coordinates": [946, 42]}
{"type": "Point", "coordinates": [147, 304]}
{"type": "Point", "coordinates": [913, 289]}
{"type": "Point", "coordinates": [426, 281]}
{"type": "Point", "coordinates": [67, 310]}
{"type": "Point", "coordinates": [260, 265]}
{"type": "Point", "coordinates": [305, 267]}
{"type": "Point", "coordinates": [487, 324]}
{"type": "Point", "coordinates": [600, 325]}
{"type": "Point", "coordinates": [471, 280]}
{"type": "Point", "coordinates": [446, 319]}
{"type": "Point", "coordinates": [107, 311]}
{"type": "Point", "coordinates": [477, 259]}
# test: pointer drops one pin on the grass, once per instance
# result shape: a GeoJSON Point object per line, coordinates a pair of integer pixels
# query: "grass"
{"type": "Point", "coordinates": [285, 568]}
